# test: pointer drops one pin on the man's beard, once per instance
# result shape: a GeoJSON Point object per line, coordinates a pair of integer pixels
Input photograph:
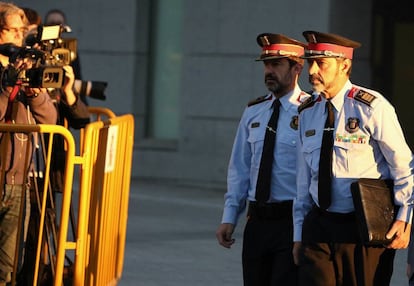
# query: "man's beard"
{"type": "Point", "coordinates": [276, 87]}
{"type": "Point", "coordinates": [317, 82]}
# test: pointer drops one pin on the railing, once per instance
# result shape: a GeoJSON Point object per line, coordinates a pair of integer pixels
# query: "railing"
{"type": "Point", "coordinates": [94, 253]}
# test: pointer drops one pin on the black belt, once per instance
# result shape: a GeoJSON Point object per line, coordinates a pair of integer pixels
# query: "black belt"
{"type": "Point", "coordinates": [336, 216]}
{"type": "Point", "coordinates": [270, 211]}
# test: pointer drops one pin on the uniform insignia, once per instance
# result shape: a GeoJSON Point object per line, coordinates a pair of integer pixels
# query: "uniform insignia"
{"type": "Point", "coordinates": [354, 138]}
{"type": "Point", "coordinates": [309, 133]}
{"type": "Point", "coordinates": [352, 125]}
{"type": "Point", "coordinates": [365, 97]}
{"type": "Point", "coordinates": [255, 124]}
{"type": "Point", "coordinates": [294, 123]}
{"type": "Point", "coordinates": [302, 97]}
{"type": "Point", "coordinates": [305, 104]}
{"type": "Point", "coordinates": [259, 100]}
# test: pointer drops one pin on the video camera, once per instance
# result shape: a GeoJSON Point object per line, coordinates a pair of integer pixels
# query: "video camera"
{"type": "Point", "coordinates": [48, 52]}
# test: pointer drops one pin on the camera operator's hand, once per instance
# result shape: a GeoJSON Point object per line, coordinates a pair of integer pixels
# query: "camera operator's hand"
{"type": "Point", "coordinates": [67, 87]}
{"type": "Point", "coordinates": [23, 64]}
{"type": "Point", "coordinates": [34, 91]}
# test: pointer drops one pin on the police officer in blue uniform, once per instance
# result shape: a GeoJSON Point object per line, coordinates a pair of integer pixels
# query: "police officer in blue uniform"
{"type": "Point", "coordinates": [367, 143]}
{"type": "Point", "coordinates": [262, 168]}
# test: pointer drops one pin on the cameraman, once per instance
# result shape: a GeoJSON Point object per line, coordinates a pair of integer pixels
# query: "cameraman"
{"type": "Point", "coordinates": [30, 106]}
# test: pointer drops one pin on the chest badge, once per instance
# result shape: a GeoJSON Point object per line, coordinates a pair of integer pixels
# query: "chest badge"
{"type": "Point", "coordinates": [310, 132]}
{"type": "Point", "coordinates": [352, 125]}
{"type": "Point", "coordinates": [294, 123]}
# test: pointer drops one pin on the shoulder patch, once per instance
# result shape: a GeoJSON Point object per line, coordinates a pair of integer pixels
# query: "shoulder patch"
{"type": "Point", "coordinates": [365, 97]}
{"type": "Point", "coordinates": [307, 103]}
{"type": "Point", "coordinates": [259, 100]}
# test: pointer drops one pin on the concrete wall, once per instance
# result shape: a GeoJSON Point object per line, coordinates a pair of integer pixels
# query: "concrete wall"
{"type": "Point", "coordinates": [219, 74]}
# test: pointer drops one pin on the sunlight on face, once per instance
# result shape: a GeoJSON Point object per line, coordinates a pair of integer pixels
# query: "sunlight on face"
{"type": "Point", "coordinates": [14, 30]}
{"type": "Point", "coordinates": [324, 75]}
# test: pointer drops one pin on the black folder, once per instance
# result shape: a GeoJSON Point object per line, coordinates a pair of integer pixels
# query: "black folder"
{"type": "Point", "coordinates": [374, 209]}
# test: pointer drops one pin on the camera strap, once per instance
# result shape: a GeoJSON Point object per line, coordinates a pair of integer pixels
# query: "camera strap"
{"type": "Point", "coordinates": [12, 97]}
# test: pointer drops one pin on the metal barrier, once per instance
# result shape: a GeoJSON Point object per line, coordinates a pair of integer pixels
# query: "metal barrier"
{"type": "Point", "coordinates": [98, 244]}
{"type": "Point", "coordinates": [103, 203]}
{"type": "Point", "coordinates": [32, 131]}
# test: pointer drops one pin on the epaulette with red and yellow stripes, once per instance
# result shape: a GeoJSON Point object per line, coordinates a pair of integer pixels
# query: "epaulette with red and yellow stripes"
{"type": "Point", "coordinates": [364, 97]}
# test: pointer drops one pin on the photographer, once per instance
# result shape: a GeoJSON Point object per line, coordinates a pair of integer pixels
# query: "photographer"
{"type": "Point", "coordinates": [21, 105]}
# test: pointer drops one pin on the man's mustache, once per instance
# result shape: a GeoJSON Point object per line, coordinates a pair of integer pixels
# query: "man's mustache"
{"type": "Point", "coordinates": [315, 77]}
{"type": "Point", "coordinates": [270, 77]}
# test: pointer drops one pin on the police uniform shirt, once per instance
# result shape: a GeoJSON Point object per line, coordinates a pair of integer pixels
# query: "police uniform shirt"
{"type": "Point", "coordinates": [368, 143]}
{"type": "Point", "coordinates": [247, 150]}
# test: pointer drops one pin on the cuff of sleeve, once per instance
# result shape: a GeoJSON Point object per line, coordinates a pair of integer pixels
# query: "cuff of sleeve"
{"type": "Point", "coordinates": [297, 233]}
{"type": "Point", "coordinates": [75, 104]}
{"type": "Point", "coordinates": [405, 213]}
{"type": "Point", "coordinates": [230, 215]}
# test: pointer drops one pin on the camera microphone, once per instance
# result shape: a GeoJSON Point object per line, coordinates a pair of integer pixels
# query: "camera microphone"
{"type": "Point", "coordinates": [66, 28]}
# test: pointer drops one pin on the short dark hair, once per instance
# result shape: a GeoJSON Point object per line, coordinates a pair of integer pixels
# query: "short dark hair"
{"type": "Point", "coordinates": [32, 16]}
{"type": "Point", "coordinates": [56, 11]}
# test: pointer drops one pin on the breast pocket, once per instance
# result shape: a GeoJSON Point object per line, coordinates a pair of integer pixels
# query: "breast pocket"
{"type": "Point", "coordinates": [352, 159]}
{"type": "Point", "coordinates": [311, 150]}
{"type": "Point", "coordinates": [286, 149]}
{"type": "Point", "coordinates": [256, 140]}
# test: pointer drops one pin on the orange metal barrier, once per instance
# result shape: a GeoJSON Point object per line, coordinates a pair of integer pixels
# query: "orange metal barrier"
{"type": "Point", "coordinates": [100, 113]}
{"type": "Point", "coordinates": [98, 244]}
{"type": "Point", "coordinates": [103, 202]}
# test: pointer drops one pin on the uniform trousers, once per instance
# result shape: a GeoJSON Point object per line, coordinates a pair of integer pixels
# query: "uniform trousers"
{"type": "Point", "coordinates": [332, 253]}
{"type": "Point", "coordinates": [267, 248]}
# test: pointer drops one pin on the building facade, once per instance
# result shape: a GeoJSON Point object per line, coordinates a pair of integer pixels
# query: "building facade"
{"type": "Point", "coordinates": [186, 69]}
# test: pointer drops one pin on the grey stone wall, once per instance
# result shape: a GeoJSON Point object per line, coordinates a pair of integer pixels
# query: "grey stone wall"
{"type": "Point", "coordinates": [219, 74]}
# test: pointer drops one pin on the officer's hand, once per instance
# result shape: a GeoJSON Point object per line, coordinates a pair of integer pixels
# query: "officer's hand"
{"type": "Point", "coordinates": [224, 233]}
{"type": "Point", "coordinates": [295, 252]}
{"type": "Point", "coordinates": [400, 231]}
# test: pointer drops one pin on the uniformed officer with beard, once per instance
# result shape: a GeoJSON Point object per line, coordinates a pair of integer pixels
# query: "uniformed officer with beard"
{"type": "Point", "coordinates": [346, 132]}
{"type": "Point", "coordinates": [262, 168]}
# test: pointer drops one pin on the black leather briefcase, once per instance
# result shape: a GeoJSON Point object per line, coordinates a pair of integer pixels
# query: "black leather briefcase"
{"type": "Point", "coordinates": [374, 209]}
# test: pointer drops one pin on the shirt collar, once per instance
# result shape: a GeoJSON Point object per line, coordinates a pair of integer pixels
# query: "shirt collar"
{"type": "Point", "coordinates": [290, 99]}
{"type": "Point", "coordinates": [338, 100]}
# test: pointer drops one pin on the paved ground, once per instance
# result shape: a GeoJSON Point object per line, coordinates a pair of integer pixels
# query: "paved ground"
{"type": "Point", "coordinates": [171, 239]}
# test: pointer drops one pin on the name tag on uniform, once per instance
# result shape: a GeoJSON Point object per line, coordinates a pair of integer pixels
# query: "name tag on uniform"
{"type": "Point", "coordinates": [255, 124]}
{"type": "Point", "coordinates": [309, 133]}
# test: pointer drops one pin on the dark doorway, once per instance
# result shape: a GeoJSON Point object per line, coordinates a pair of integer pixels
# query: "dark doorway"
{"type": "Point", "coordinates": [392, 58]}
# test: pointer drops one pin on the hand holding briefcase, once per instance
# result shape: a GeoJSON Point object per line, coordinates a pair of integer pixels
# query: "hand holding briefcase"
{"type": "Point", "coordinates": [374, 209]}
